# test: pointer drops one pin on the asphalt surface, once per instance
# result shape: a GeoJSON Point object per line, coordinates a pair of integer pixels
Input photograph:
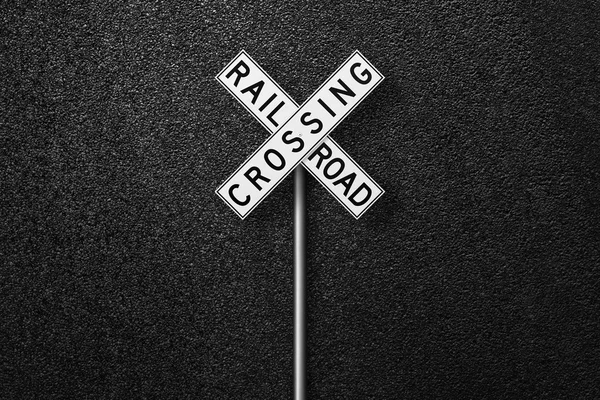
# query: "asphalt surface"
{"type": "Point", "coordinates": [476, 275]}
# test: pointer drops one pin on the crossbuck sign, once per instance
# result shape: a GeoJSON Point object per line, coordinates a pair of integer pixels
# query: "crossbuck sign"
{"type": "Point", "coordinates": [299, 134]}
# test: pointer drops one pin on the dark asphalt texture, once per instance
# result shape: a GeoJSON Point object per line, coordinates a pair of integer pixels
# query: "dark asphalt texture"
{"type": "Point", "coordinates": [123, 275]}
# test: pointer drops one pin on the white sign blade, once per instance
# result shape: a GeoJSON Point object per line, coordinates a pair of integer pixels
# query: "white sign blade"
{"type": "Point", "coordinates": [299, 135]}
{"type": "Point", "coordinates": [257, 92]}
{"type": "Point", "coordinates": [261, 95]}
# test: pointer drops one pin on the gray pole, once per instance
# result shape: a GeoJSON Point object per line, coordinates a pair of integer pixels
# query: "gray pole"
{"type": "Point", "coordinates": [299, 284]}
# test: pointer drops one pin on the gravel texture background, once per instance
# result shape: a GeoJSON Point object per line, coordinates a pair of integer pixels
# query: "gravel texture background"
{"type": "Point", "coordinates": [475, 276]}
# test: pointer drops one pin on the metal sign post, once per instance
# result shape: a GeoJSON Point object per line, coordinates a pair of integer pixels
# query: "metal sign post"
{"type": "Point", "coordinates": [299, 284]}
{"type": "Point", "coordinates": [299, 135]}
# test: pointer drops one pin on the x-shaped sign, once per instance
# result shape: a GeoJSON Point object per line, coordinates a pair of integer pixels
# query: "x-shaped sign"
{"type": "Point", "coordinates": [304, 133]}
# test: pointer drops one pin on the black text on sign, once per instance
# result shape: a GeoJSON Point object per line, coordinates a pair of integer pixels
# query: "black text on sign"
{"type": "Point", "coordinates": [299, 135]}
{"type": "Point", "coordinates": [329, 163]}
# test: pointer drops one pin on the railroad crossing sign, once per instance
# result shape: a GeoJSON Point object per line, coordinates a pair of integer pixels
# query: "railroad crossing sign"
{"type": "Point", "coordinates": [299, 134]}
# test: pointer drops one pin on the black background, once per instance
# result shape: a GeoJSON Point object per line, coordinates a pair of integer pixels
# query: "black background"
{"type": "Point", "coordinates": [475, 276]}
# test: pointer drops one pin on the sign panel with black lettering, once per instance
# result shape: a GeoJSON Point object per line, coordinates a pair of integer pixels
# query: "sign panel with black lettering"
{"type": "Point", "coordinates": [302, 133]}
{"type": "Point", "coordinates": [329, 164]}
